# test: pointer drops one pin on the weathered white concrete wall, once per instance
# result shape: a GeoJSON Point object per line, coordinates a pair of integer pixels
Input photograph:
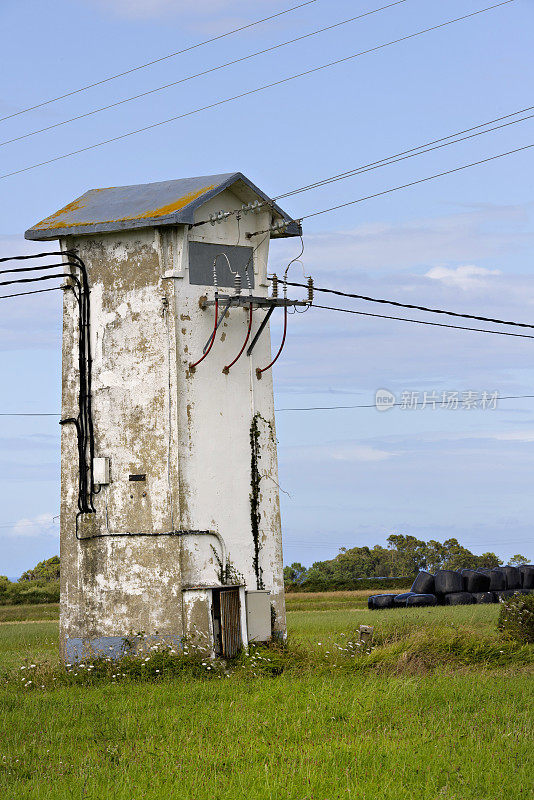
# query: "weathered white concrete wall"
{"type": "Point", "coordinates": [189, 432]}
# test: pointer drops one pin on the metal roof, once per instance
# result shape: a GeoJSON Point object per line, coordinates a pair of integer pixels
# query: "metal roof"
{"type": "Point", "coordinates": [148, 204]}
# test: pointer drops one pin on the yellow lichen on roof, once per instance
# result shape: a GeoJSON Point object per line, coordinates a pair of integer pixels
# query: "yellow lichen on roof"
{"type": "Point", "coordinates": [52, 221]}
{"type": "Point", "coordinates": [177, 205]}
{"type": "Point", "coordinates": [60, 218]}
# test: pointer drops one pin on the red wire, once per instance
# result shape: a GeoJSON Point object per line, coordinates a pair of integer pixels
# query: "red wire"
{"type": "Point", "coordinates": [260, 371]}
{"type": "Point", "coordinates": [192, 366]}
{"type": "Point", "coordinates": [238, 356]}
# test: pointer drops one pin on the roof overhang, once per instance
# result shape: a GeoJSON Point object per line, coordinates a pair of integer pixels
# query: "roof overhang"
{"type": "Point", "coordinates": [151, 205]}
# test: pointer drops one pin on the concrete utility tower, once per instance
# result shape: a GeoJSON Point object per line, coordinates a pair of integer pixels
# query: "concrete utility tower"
{"type": "Point", "coordinates": [170, 518]}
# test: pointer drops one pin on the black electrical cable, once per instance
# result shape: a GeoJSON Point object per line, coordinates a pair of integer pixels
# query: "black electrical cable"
{"type": "Point", "coordinates": [84, 422]}
{"type": "Point", "coordinates": [252, 91]}
{"type": "Point", "coordinates": [201, 74]}
{"type": "Point", "coordinates": [81, 422]}
{"type": "Point", "coordinates": [421, 180]}
{"type": "Point", "coordinates": [157, 60]}
{"type": "Point", "coordinates": [36, 291]}
{"type": "Point", "coordinates": [396, 157]}
{"type": "Point", "coordinates": [402, 186]}
{"type": "Point", "coordinates": [373, 405]}
{"type": "Point", "coordinates": [425, 322]}
{"type": "Point", "coordinates": [301, 408]}
{"type": "Point", "coordinates": [85, 359]}
{"type": "Point", "coordinates": [421, 150]}
{"type": "Point", "coordinates": [411, 306]}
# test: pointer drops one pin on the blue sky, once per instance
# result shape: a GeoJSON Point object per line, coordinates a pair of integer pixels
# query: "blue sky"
{"type": "Point", "coordinates": [463, 242]}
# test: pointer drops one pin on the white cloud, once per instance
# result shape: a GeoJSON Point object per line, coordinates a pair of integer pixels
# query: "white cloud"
{"type": "Point", "coordinates": [463, 277]}
{"type": "Point", "coordinates": [514, 436]}
{"type": "Point", "coordinates": [346, 451]}
{"type": "Point", "coordinates": [43, 525]}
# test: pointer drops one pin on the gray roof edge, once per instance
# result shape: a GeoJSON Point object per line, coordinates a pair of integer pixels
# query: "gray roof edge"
{"type": "Point", "coordinates": [183, 217]}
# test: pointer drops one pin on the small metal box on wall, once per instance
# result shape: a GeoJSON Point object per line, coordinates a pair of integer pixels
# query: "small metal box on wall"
{"type": "Point", "coordinates": [259, 615]}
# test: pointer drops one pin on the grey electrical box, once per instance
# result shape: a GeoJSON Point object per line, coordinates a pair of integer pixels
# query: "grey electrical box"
{"type": "Point", "coordinates": [258, 616]}
{"type": "Point", "coordinates": [202, 256]}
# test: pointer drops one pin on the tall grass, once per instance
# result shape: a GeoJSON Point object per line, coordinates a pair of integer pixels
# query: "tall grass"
{"type": "Point", "coordinates": [293, 738]}
{"type": "Point", "coordinates": [440, 709]}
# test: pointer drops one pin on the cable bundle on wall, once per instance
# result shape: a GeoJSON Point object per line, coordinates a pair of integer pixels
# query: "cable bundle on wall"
{"type": "Point", "coordinates": [84, 420]}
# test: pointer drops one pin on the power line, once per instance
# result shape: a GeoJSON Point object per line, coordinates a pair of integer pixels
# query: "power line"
{"type": "Point", "coordinates": [251, 92]}
{"type": "Point", "coordinates": [35, 291]}
{"type": "Point", "coordinates": [411, 306]}
{"type": "Point", "coordinates": [415, 151]}
{"type": "Point", "coordinates": [200, 74]}
{"type": "Point", "coordinates": [307, 408]}
{"type": "Point", "coordinates": [396, 157]}
{"type": "Point", "coordinates": [373, 405]}
{"type": "Point", "coordinates": [424, 322]}
{"type": "Point", "coordinates": [414, 183]}
{"type": "Point", "coordinates": [157, 60]}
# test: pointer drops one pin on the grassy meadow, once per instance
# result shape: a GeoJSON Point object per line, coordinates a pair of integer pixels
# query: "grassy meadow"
{"type": "Point", "coordinates": [440, 709]}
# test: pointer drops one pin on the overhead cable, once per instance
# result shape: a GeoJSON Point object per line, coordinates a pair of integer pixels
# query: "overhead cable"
{"type": "Point", "coordinates": [414, 151]}
{"type": "Point", "coordinates": [301, 408]}
{"type": "Point", "coordinates": [398, 188]}
{"type": "Point", "coordinates": [393, 159]}
{"type": "Point", "coordinates": [251, 91]}
{"type": "Point", "coordinates": [412, 306]}
{"type": "Point", "coordinates": [425, 322]}
{"type": "Point", "coordinates": [373, 405]}
{"type": "Point", "coordinates": [421, 180]}
{"type": "Point", "coordinates": [84, 421]}
{"type": "Point", "coordinates": [200, 74]}
{"type": "Point", "coordinates": [35, 291]}
{"type": "Point", "coordinates": [157, 60]}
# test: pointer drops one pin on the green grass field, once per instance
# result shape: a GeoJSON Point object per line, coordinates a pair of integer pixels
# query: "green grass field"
{"type": "Point", "coordinates": [441, 709]}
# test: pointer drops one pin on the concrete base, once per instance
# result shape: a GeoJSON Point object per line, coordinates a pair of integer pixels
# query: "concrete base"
{"type": "Point", "coordinates": [115, 647]}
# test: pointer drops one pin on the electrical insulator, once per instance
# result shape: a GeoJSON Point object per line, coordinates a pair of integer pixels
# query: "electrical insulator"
{"type": "Point", "coordinates": [310, 290]}
{"type": "Point", "coordinates": [275, 286]}
{"type": "Point", "coordinates": [237, 281]}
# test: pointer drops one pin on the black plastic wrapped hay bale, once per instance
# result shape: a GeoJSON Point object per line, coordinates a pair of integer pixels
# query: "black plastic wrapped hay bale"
{"type": "Point", "coordinates": [498, 580]}
{"type": "Point", "coordinates": [458, 599]}
{"type": "Point", "coordinates": [484, 597]}
{"type": "Point", "coordinates": [400, 599]}
{"type": "Point", "coordinates": [380, 601]}
{"type": "Point", "coordinates": [421, 600]}
{"type": "Point", "coordinates": [424, 583]}
{"type": "Point", "coordinates": [447, 581]}
{"type": "Point", "coordinates": [513, 577]}
{"type": "Point", "coordinates": [475, 581]}
{"type": "Point", "coordinates": [527, 576]}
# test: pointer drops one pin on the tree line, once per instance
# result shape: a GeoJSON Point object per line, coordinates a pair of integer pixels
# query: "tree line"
{"type": "Point", "coordinates": [37, 585]}
{"type": "Point", "coordinates": [404, 556]}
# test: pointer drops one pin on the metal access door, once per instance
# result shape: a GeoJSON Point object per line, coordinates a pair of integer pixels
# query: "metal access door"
{"type": "Point", "coordinates": [230, 623]}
